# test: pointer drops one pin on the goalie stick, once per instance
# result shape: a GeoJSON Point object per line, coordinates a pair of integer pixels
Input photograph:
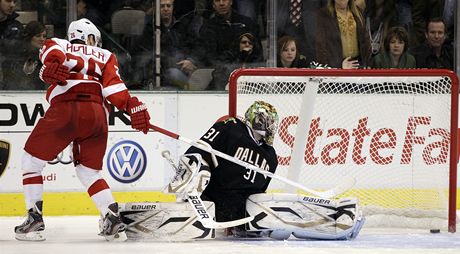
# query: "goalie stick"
{"type": "Point", "coordinates": [200, 209]}
{"type": "Point", "coordinates": [345, 185]}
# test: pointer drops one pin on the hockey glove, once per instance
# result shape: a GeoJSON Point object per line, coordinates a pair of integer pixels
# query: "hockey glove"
{"type": "Point", "coordinates": [191, 175]}
{"type": "Point", "coordinates": [139, 115]}
{"type": "Point", "coordinates": [54, 74]}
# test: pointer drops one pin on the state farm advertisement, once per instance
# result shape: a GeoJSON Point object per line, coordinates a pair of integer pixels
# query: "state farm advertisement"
{"type": "Point", "coordinates": [387, 140]}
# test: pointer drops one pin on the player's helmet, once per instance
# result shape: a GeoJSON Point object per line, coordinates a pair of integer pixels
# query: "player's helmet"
{"type": "Point", "coordinates": [263, 119]}
{"type": "Point", "coordinates": [81, 29]}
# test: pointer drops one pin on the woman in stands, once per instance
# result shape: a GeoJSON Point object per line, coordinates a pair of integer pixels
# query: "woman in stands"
{"type": "Point", "coordinates": [288, 55]}
{"type": "Point", "coordinates": [342, 35]}
{"type": "Point", "coordinates": [245, 53]}
{"type": "Point", "coordinates": [21, 69]}
{"type": "Point", "coordinates": [395, 53]}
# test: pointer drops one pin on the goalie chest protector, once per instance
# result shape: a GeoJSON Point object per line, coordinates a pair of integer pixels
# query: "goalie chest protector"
{"type": "Point", "coordinates": [233, 137]}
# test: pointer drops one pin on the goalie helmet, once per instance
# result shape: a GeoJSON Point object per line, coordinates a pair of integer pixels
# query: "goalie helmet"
{"type": "Point", "coordinates": [81, 29]}
{"type": "Point", "coordinates": [263, 119]}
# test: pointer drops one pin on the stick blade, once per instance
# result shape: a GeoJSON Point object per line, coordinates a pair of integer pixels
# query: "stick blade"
{"type": "Point", "coordinates": [345, 184]}
{"type": "Point", "coordinates": [210, 223]}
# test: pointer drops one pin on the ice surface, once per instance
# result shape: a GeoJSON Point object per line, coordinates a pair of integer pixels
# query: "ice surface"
{"type": "Point", "coordinates": [78, 234]}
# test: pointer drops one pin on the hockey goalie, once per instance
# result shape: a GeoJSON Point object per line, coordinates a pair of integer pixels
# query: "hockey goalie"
{"type": "Point", "coordinates": [216, 193]}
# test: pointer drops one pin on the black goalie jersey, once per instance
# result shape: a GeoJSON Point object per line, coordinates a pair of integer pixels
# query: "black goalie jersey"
{"type": "Point", "coordinates": [231, 184]}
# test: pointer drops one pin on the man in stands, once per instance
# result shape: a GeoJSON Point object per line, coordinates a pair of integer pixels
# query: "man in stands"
{"type": "Point", "coordinates": [83, 78]}
{"type": "Point", "coordinates": [10, 30]}
{"type": "Point", "coordinates": [223, 28]}
{"type": "Point", "coordinates": [435, 52]}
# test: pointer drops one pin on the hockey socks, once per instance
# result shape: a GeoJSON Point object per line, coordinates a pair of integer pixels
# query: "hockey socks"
{"type": "Point", "coordinates": [97, 187]}
{"type": "Point", "coordinates": [33, 188]}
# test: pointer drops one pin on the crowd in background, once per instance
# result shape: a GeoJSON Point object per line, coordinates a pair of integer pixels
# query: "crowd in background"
{"type": "Point", "coordinates": [223, 35]}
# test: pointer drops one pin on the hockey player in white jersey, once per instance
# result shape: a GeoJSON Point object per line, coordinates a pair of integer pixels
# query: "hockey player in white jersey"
{"type": "Point", "coordinates": [83, 79]}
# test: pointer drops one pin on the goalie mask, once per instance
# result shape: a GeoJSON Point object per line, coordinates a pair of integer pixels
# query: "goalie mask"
{"type": "Point", "coordinates": [82, 29]}
{"type": "Point", "coordinates": [263, 119]}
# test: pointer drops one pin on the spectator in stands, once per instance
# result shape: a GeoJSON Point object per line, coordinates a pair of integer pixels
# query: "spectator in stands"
{"type": "Point", "coordinates": [288, 54]}
{"type": "Point", "coordinates": [395, 54]}
{"type": "Point", "coordinates": [177, 44]}
{"type": "Point", "coordinates": [297, 18]}
{"type": "Point", "coordinates": [289, 57]}
{"type": "Point", "coordinates": [219, 32]}
{"type": "Point", "coordinates": [422, 12]}
{"type": "Point", "coordinates": [22, 65]}
{"type": "Point", "coordinates": [435, 53]}
{"type": "Point", "coordinates": [380, 16]}
{"type": "Point", "coordinates": [245, 53]}
{"type": "Point", "coordinates": [10, 28]}
{"type": "Point", "coordinates": [343, 34]}
{"type": "Point", "coordinates": [10, 31]}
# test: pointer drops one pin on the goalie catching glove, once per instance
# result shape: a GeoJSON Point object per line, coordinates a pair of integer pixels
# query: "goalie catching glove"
{"type": "Point", "coordinates": [191, 175]}
{"type": "Point", "coordinates": [139, 115]}
{"type": "Point", "coordinates": [54, 74]}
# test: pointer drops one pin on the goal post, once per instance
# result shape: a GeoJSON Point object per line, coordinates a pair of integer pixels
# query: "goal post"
{"type": "Point", "coordinates": [394, 131]}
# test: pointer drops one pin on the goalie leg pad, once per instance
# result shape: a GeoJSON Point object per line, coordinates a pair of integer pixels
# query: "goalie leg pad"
{"type": "Point", "coordinates": [156, 221]}
{"type": "Point", "coordinates": [304, 216]}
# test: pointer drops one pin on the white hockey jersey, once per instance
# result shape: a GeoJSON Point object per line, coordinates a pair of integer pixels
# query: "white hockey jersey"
{"type": "Point", "coordinates": [88, 66]}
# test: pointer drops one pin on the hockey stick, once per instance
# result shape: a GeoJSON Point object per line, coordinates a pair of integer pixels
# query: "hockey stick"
{"type": "Point", "coordinates": [346, 184]}
{"type": "Point", "coordinates": [200, 209]}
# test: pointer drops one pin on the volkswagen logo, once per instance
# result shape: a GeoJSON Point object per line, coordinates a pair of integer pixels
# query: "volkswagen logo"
{"type": "Point", "coordinates": [126, 161]}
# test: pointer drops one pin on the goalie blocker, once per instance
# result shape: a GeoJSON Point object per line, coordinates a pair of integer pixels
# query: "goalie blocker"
{"type": "Point", "coordinates": [275, 215]}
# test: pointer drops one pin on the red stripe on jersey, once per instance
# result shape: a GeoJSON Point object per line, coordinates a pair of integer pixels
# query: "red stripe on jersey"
{"type": "Point", "coordinates": [30, 173]}
{"type": "Point", "coordinates": [97, 187]}
{"type": "Point", "coordinates": [33, 180]}
{"type": "Point", "coordinates": [53, 55]}
{"type": "Point", "coordinates": [120, 99]}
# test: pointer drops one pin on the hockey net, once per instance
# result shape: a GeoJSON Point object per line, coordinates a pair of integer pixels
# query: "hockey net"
{"type": "Point", "coordinates": [393, 131]}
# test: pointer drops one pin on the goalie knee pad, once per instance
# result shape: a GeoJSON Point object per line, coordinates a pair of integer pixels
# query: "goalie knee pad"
{"type": "Point", "coordinates": [305, 217]}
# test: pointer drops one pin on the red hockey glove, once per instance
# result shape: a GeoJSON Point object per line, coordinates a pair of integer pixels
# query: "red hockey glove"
{"type": "Point", "coordinates": [139, 115]}
{"type": "Point", "coordinates": [54, 74]}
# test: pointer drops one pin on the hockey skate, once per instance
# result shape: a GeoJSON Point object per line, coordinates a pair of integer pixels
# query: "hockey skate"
{"type": "Point", "coordinates": [111, 226]}
{"type": "Point", "coordinates": [32, 229]}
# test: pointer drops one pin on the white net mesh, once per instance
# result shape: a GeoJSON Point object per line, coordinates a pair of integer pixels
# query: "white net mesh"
{"type": "Point", "coordinates": [391, 133]}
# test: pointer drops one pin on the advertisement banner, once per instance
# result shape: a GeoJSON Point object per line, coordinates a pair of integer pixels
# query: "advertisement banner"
{"type": "Point", "coordinates": [132, 161]}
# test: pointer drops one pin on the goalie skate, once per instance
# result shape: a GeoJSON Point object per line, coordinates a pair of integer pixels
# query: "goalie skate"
{"type": "Point", "coordinates": [32, 228]}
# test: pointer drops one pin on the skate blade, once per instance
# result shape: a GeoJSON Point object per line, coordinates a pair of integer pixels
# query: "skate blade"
{"type": "Point", "coordinates": [35, 236]}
